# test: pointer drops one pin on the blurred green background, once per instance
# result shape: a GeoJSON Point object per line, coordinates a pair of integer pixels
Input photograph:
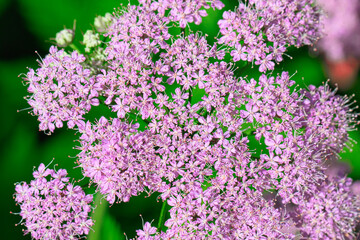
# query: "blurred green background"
{"type": "Point", "coordinates": [27, 26]}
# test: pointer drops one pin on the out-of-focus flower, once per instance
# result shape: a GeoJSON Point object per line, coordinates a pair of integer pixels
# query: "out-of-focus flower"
{"type": "Point", "coordinates": [341, 41]}
{"type": "Point", "coordinates": [342, 29]}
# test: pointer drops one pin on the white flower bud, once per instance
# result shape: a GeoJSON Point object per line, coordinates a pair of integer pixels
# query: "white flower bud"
{"type": "Point", "coordinates": [65, 37]}
{"type": "Point", "coordinates": [91, 39]}
{"type": "Point", "coordinates": [101, 22]}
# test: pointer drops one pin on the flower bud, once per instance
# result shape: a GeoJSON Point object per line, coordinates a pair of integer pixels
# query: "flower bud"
{"type": "Point", "coordinates": [101, 22]}
{"type": "Point", "coordinates": [91, 40]}
{"type": "Point", "coordinates": [65, 37]}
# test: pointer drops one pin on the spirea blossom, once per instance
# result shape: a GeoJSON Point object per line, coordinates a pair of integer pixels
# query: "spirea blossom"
{"type": "Point", "coordinates": [62, 90]}
{"type": "Point", "coordinates": [234, 157]}
{"type": "Point", "coordinates": [260, 31]}
{"type": "Point", "coordinates": [52, 207]}
{"type": "Point", "coordinates": [182, 11]}
{"type": "Point", "coordinates": [119, 159]}
{"type": "Point", "coordinates": [331, 212]}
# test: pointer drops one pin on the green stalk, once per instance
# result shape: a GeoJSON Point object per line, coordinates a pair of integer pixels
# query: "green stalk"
{"type": "Point", "coordinates": [190, 95]}
{"type": "Point", "coordinates": [74, 47]}
{"type": "Point", "coordinates": [162, 216]}
{"type": "Point", "coordinates": [185, 31]}
{"type": "Point", "coordinates": [98, 217]}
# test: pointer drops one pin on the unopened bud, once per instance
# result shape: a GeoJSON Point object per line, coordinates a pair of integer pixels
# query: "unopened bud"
{"type": "Point", "coordinates": [65, 37]}
{"type": "Point", "coordinates": [101, 23]}
{"type": "Point", "coordinates": [91, 39]}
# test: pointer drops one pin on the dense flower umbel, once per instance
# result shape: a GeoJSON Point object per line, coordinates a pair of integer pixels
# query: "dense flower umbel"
{"type": "Point", "coordinates": [61, 90]}
{"type": "Point", "coordinates": [213, 145]}
{"type": "Point", "coordinates": [260, 30]}
{"type": "Point", "coordinates": [53, 208]}
{"type": "Point", "coordinates": [331, 212]}
{"type": "Point", "coordinates": [182, 11]}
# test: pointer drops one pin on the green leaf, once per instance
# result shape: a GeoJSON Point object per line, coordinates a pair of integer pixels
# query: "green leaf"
{"type": "Point", "coordinates": [111, 229]}
{"type": "Point", "coordinates": [352, 156]}
{"type": "Point", "coordinates": [3, 5]}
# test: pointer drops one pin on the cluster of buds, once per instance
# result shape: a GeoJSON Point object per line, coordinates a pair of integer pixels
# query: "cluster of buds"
{"type": "Point", "coordinates": [182, 124]}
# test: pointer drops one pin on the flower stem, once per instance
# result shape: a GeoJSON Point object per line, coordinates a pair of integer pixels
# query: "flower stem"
{"type": "Point", "coordinates": [74, 47]}
{"type": "Point", "coordinates": [185, 31]}
{"type": "Point", "coordinates": [98, 216]}
{"type": "Point", "coordinates": [162, 216]}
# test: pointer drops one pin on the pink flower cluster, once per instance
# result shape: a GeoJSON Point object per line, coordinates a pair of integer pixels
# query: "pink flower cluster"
{"type": "Point", "coordinates": [183, 11]}
{"type": "Point", "coordinates": [260, 31]}
{"type": "Point", "coordinates": [330, 213]}
{"type": "Point", "coordinates": [53, 208]}
{"type": "Point", "coordinates": [234, 157]}
{"type": "Point", "coordinates": [62, 89]}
